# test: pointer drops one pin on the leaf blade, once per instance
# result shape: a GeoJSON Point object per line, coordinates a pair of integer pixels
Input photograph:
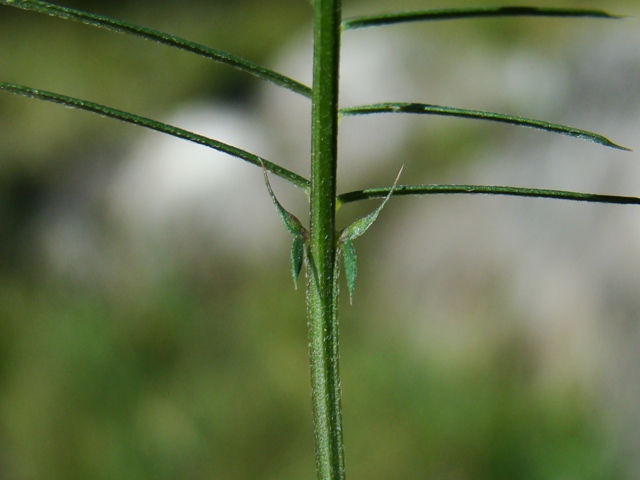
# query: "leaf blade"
{"type": "Point", "coordinates": [289, 220]}
{"type": "Point", "coordinates": [467, 13]}
{"type": "Point", "coordinates": [297, 257]}
{"type": "Point", "coordinates": [419, 190]}
{"type": "Point", "coordinates": [151, 124]}
{"type": "Point", "coordinates": [349, 259]}
{"type": "Point", "coordinates": [353, 231]}
{"type": "Point", "coordinates": [429, 109]}
{"type": "Point", "coordinates": [360, 226]}
{"type": "Point", "coordinates": [120, 26]}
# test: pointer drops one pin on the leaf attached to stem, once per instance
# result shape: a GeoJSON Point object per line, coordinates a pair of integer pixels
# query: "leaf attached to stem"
{"type": "Point", "coordinates": [291, 223]}
{"type": "Point", "coordinates": [353, 231]}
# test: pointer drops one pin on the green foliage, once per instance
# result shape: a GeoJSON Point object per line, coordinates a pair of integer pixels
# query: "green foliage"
{"type": "Point", "coordinates": [154, 125]}
{"type": "Point", "coordinates": [353, 231]}
{"type": "Point", "coordinates": [419, 108]}
{"type": "Point", "coordinates": [462, 13]}
{"type": "Point", "coordinates": [160, 37]}
{"type": "Point", "coordinates": [183, 383]}
{"type": "Point", "coordinates": [300, 234]}
{"type": "Point", "coordinates": [320, 246]}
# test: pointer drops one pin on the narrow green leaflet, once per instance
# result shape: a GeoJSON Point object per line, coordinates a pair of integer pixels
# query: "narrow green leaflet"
{"type": "Point", "coordinates": [461, 13]}
{"type": "Point", "coordinates": [291, 223]}
{"type": "Point", "coordinates": [297, 257]}
{"type": "Point", "coordinates": [361, 225]}
{"type": "Point", "coordinates": [417, 190]}
{"type": "Point", "coordinates": [161, 37]}
{"type": "Point", "coordinates": [289, 220]}
{"type": "Point", "coordinates": [350, 265]}
{"type": "Point", "coordinates": [353, 231]}
{"type": "Point", "coordinates": [157, 126]}
{"type": "Point", "coordinates": [427, 109]}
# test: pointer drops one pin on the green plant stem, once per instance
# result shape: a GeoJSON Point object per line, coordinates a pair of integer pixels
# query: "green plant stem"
{"type": "Point", "coordinates": [322, 294]}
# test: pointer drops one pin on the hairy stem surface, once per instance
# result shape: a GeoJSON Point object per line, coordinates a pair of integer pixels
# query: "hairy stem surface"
{"type": "Point", "coordinates": [322, 263]}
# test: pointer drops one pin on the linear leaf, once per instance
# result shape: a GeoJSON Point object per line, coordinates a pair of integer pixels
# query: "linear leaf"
{"type": "Point", "coordinates": [157, 126]}
{"type": "Point", "coordinates": [374, 193]}
{"type": "Point", "coordinates": [460, 13]}
{"type": "Point", "coordinates": [161, 37]}
{"type": "Point", "coordinates": [427, 109]}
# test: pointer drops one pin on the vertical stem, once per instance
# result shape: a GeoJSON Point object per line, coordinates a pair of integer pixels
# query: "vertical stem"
{"type": "Point", "coordinates": [322, 264]}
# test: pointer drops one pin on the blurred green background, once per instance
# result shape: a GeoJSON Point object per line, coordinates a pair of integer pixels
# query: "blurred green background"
{"type": "Point", "coordinates": [200, 370]}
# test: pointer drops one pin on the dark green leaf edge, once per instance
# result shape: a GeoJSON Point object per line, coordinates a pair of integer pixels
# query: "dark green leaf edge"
{"type": "Point", "coordinates": [465, 13]}
{"type": "Point", "coordinates": [417, 190]}
{"type": "Point", "coordinates": [163, 38]}
{"type": "Point", "coordinates": [159, 127]}
{"type": "Point", "coordinates": [426, 109]}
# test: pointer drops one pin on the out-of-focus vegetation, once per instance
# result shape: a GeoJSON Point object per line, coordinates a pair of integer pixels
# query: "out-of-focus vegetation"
{"type": "Point", "coordinates": [201, 372]}
{"type": "Point", "coordinates": [185, 383]}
